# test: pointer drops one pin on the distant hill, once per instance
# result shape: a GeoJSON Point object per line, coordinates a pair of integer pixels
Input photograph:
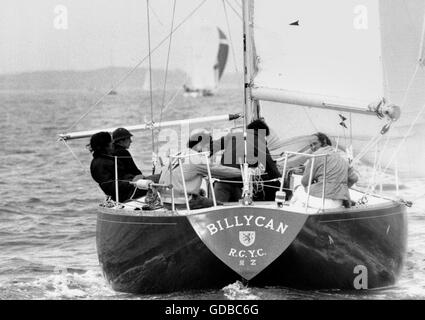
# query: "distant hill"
{"type": "Point", "coordinates": [101, 79]}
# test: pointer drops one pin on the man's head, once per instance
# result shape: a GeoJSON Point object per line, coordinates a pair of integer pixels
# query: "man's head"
{"type": "Point", "coordinates": [101, 143]}
{"type": "Point", "coordinates": [122, 137]}
{"type": "Point", "coordinates": [200, 140]}
{"type": "Point", "coordinates": [319, 140]}
{"type": "Point", "coordinates": [257, 125]}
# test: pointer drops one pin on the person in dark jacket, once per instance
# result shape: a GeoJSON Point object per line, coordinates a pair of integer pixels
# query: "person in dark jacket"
{"type": "Point", "coordinates": [121, 139]}
{"type": "Point", "coordinates": [102, 169]}
{"type": "Point", "coordinates": [258, 155]}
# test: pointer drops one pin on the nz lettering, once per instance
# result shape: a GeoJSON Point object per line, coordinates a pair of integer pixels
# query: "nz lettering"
{"type": "Point", "coordinates": [236, 221]}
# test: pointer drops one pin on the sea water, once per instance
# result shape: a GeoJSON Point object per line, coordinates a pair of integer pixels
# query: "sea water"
{"type": "Point", "coordinates": [48, 200]}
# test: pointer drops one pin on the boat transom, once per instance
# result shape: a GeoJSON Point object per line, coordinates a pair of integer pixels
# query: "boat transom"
{"type": "Point", "coordinates": [245, 240]}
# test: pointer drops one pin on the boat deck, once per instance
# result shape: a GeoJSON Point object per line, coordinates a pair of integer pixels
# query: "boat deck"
{"type": "Point", "coordinates": [133, 207]}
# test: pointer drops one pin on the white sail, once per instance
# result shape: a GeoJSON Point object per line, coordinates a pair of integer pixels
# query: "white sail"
{"type": "Point", "coordinates": [207, 56]}
{"type": "Point", "coordinates": [156, 83]}
{"type": "Point", "coordinates": [350, 51]}
{"type": "Point", "coordinates": [146, 82]}
{"type": "Point", "coordinates": [202, 56]}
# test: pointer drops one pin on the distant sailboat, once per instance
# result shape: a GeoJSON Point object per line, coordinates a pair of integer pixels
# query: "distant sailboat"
{"type": "Point", "coordinates": [112, 91]}
{"type": "Point", "coordinates": [207, 60]}
{"type": "Point", "coordinates": [146, 82]}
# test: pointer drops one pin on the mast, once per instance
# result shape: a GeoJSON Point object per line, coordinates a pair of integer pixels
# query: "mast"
{"type": "Point", "coordinates": [247, 55]}
{"type": "Point", "coordinates": [247, 52]}
{"type": "Point", "coordinates": [150, 91]}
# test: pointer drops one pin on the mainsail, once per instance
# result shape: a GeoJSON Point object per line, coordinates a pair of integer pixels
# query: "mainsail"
{"type": "Point", "coordinates": [209, 50]}
{"type": "Point", "coordinates": [369, 50]}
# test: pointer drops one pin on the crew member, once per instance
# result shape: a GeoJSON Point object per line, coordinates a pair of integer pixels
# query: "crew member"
{"type": "Point", "coordinates": [194, 169]}
{"type": "Point", "coordinates": [102, 169]}
{"type": "Point", "coordinates": [340, 176]}
{"type": "Point", "coordinates": [258, 155]}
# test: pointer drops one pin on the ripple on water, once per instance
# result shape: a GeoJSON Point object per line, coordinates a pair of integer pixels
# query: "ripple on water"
{"type": "Point", "coordinates": [60, 284]}
{"type": "Point", "coordinates": [49, 204]}
{"type": "Point", "coordinates": [238, 291]}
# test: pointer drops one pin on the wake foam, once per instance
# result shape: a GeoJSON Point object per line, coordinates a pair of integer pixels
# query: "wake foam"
{"type": "Point", "coordinates": [238, 291]}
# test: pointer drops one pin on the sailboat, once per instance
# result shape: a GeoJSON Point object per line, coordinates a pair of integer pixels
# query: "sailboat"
{"type": "Point", "coordinates": [207, 61]}
{"type": "Point", "coordinates": [146, 82]}
{"type": "Point", "coordinates": [277, 243]}
{"type": "Point", "coordinates": [112, 92]}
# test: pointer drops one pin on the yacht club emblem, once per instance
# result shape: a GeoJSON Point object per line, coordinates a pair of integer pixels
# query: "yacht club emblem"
{"type": "Point", "coordinates": [247, 238]}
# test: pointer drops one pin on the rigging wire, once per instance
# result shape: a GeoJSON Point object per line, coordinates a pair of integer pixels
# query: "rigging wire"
{"type": "Point", "coordinates": [171, 100]}
{"type": "Point", "coordinates": [150, 59]}
{"type": "Point", "coordinates": [136, 66]}
{"type": "Point", "coordinates": [387, 140]}
{"type": "Point", "coordinates": [230, 36]}
{"type": "Point", "coordinates": [75, 156]}
{"type": "Point", "coordinates": [372, 180]}
{"type": "Point", "coordinates": [395, 153]}
{"type": "Point", "coordinates": [343, 134]}
{"type": "Point", "coordinates": [375, 140]}
{"type": "Point", "coordinates": [351, 136]}
{"type": "Point", "coordinates": [166, 70]}
{"type": "Point", "coordinates": [150, 88]}
{"type": "Point", "coordinates": [156, 15]}
{"type": "Point", "coordinates": [418, 65]}
{"type": "Point", "coordinates": [367, 147]}
{"type": "Point", "coordinates": [234, 10]}
{"type": "Point", "coordinates": [309, 119]}
{"type": "Point", "coordinates": [238, 4]}
{"type": "Point", "coordinates": [377, 168]}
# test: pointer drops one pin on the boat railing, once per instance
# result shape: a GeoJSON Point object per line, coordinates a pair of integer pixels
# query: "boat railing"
{"type": "Point", "coordinates": [206, 155]}
{"type": "Point", "coordinates": [210, 180]}
{"type": "Point", "coordinates": [145, 184]}
{"type": "Point", "coordinates": [313, 158]}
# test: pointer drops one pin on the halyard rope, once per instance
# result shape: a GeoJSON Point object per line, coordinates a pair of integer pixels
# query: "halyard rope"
{"type": "Point", "coordinates": [74, 155]}
{"type": "Point", "coordinates": [166, 66]}
{"type": "Point", "coordinates": [230, 37]}
{"type": "Point", "coordinates": [234, 10]}
{"type": "Point", "coordinates": [397, 150]}
{"type": "Point", "coordinates": [150, 86]}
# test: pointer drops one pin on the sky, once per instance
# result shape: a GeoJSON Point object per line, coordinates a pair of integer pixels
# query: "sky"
{"type": "Point", "coordinates": [90, 34]}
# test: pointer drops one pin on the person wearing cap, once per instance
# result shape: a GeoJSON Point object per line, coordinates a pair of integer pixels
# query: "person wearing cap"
{"type": "Point", "coordinates": [122, 140]}
{"type": "Point", "coordinates": [194, 169]}
{"type": "Point", "coordinates": [102, 169]}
